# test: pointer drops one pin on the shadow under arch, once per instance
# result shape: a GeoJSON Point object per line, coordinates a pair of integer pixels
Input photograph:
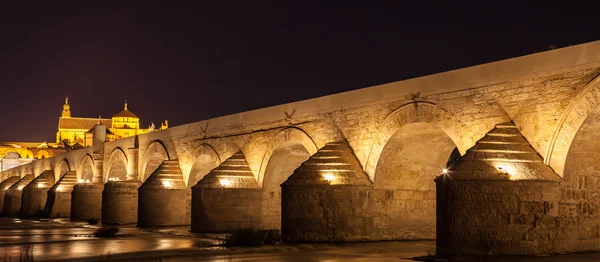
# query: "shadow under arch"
{"type": "Point", "coordinates": [580, 172]}
{"type": "Point", "coordinates": [117, 165]}
{"type": "Point", "coordinates": [154, 155]}
{"type": "Point", "coordinates": [285, 135]}
{"type": "Point", "coordinates": [206, 158]}
{"type": "Point", "coordinates": [60, 169]}
{"type": "Point", "coordinates": [582, 166]}
{"type": "Point", "coordinates": [286, 151]}
{"type": "Point", "coordinates": [584, 105]}
{"type": "Point", "coordinates": [409, 152]}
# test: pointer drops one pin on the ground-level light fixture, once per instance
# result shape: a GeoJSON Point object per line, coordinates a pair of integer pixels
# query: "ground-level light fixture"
{"type": "Point", "coordinates": [40, 185]}
{"type": "Point", "coordinates": [329, 177]}
{"type": "Point", "coordinates": [507, 169]}
{"type": "Point", "coordinates": [20, 188]}
{"type": "Point", "coordinates": [166, 184]}
{"type": "Point", "coordinates": [444, 171]}
{"type": "Point", "coordinates": [83, 181]}
{"type": "Point", "coordinates": [225, 182]}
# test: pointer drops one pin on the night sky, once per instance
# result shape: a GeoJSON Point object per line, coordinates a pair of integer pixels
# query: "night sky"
{"type": "Point", "coordinates": [192, 61]}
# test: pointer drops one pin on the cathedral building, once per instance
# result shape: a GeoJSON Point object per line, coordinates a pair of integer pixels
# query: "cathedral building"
{"type": "Point", "coordinates": [73, 133]}
{"type": "Point", "coordinates": [77, 131]}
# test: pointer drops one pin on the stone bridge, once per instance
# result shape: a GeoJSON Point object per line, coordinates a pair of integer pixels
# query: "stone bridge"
{"type": "Point", "coordinates": [513, 147]}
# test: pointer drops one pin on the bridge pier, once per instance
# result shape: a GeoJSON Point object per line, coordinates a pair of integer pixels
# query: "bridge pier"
{"type": "Point", "coordinates": [35, 195]}
{"type": "Point", "coordinates": [227, 199]}
{"type": "Point", "coordinates": [86, 202]}
{"type": "Point", "coordinates": [498, 199]}
{"type": "Point", "coordinates": [58, 203]}
{"type": "Point", "coordinates": [163, 197]}
{"type": "Point", "coordinates": [326, 198]}
{"type": "Point", "coordinates": [120, 202]}
{"type": "Point", "coordinates": [13, 197]}
{"type": "Point", "coordinates": [5, 185]}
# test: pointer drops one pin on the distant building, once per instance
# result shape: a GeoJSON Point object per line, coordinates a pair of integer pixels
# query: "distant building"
{"type": "Point", "coordinates": [73, 133]}
{"type": "Point", "coordinates": [77, 131]}
{"type": "Point", "coordinates": [14, 154]}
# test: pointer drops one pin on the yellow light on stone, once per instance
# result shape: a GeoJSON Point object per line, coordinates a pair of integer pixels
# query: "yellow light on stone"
{"type": "Point", "coordinates": [58, 189]}
{"type": "Point", "coordinates": [445, 171]}
{"type": "Point", "coordinates": [166, 184]}
{"type": "Point", "coordinates": [225, 182]}
{"type": "Point", "coordinates": [6, 188]}
{"type": "Point", "coordinates": [40, 185]}
{"type": "Point", "coordinates": [329, 177]}
{"type": "Point", "coordinates": [20, 188]}
{"type": "Point", "coordinates": [80, 181]}
{"type": "Point", "coordinates": [511, 170]}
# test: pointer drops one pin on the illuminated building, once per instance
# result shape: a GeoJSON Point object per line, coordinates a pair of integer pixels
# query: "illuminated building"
{"type": "Point", "coordinates": [14, 154]}
{"type": "Point", "coordinates": [77, 131]}
{"type": "Point", "coordinates": [73, 133]}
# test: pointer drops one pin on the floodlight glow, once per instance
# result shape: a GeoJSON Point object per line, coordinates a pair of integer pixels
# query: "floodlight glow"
{"type": "Point", "coordinates": [329, 177]}
{"type": "Point", "coordinates": [225, 182]}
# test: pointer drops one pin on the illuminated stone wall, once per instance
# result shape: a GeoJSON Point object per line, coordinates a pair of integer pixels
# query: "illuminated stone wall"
{"type": "Point", "coordinates": [401, 133]}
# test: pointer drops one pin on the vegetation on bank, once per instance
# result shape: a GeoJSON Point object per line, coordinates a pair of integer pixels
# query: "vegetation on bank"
{"type": "Point", "coordinates": [107, 232]}
{"type": "Point", "coordinates": [251, 237]}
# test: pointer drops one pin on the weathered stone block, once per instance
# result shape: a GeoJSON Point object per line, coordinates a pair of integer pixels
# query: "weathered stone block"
{"type": "Point", "coordinates": [86, 202]}
{"type": "Point", "coordinates": [120, 202]}
{"type": "Point", "coordinates": [225, 209]}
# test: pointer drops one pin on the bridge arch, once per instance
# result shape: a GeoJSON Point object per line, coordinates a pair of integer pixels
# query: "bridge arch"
{"type": "Point", "coordinates": [117, 165]}
{"type": "Point", "coordinates": [61, 168]}
{"type": "Point", "coordinates": [414, 112]}
{"type": "Point", "coordinates": [155, 154]}
{"type": "Point", "coordinates": [42, 154]}
{"type": "Point", "coordinates": [86, 168]}
{"type": "Point", "coordinates": [290, 134]}
{"type": "Point", "coordinates": [11, 154]}
{"type": "Point", "coordinates": [206, 158]}
{"type": "Point", "coordinates": [569, 124]}
{"type": "Point", "coordinates": [26, 154]}
{"type": "Point", "coordinates": [286, 151]}
{"type": "Point", "coordinates": [409, 151]}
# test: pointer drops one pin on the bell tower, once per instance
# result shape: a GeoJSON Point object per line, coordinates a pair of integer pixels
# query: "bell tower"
{"type": "Point", "coordinates": [66, 112]}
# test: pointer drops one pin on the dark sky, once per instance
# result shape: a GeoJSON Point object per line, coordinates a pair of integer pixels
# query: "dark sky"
{"type": "Point", "coordinates": [188, 61]}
